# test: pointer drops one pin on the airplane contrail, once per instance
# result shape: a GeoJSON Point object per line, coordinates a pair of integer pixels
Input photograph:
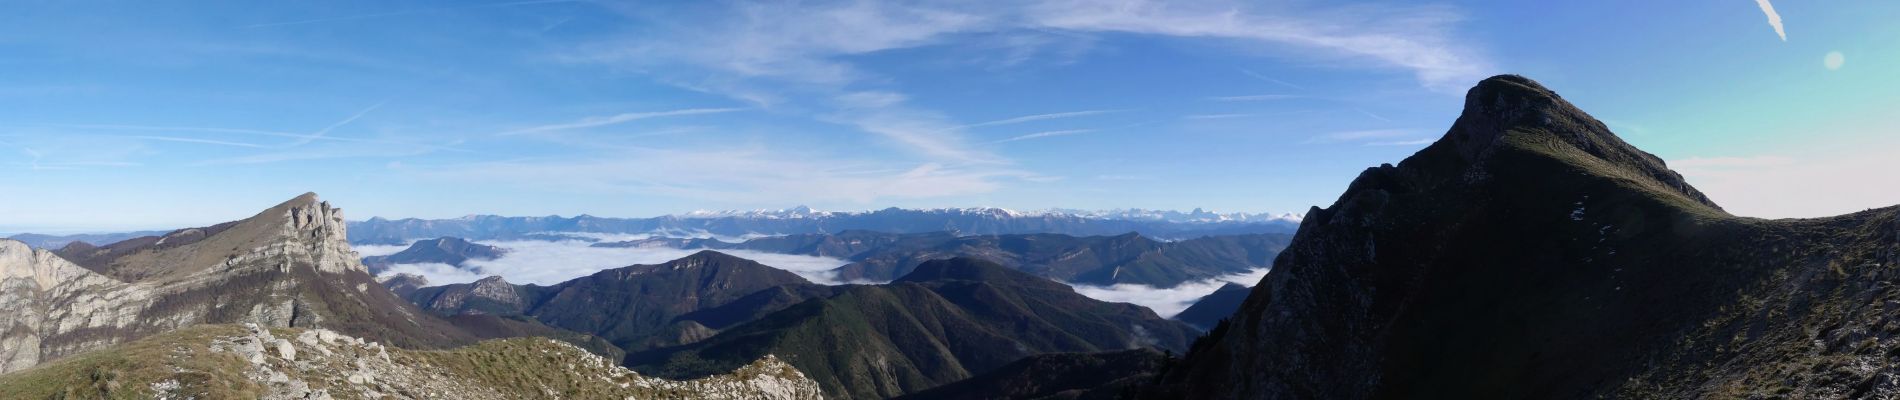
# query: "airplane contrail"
{"type": "Point", "coordinates": [1774, 19]}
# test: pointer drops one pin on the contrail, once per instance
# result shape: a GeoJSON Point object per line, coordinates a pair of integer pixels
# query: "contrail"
{"type": "Point", "coordinates": [326, 130]}
{"type": "Point", "coordinates": [615, 119]}
{"type": "Point", "coordinates": [1774, 19]}
{"type": "Point", "coordinates": [402, 13]}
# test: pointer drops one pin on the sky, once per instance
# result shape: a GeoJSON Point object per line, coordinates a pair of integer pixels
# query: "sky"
{"type": "Point", "coordinates": [154, 115]}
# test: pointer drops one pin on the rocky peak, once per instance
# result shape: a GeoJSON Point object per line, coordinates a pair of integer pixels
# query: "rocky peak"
{"type": "Point", "coordinates": [496, 289]}
{"type": "Point", "coordinates": [1507, 106]}
{"type": "Point", "coordinates": [310, 218]}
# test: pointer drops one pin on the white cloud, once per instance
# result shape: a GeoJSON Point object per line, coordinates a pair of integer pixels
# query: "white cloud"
{"type": "Point", "coordinates": [1774, 19]}
{"type": "Point", "coordinates": [592, 122]}
{"type": "Point", "coordinates": [1833, 60]}
{"type": "Point", "coordinates": [436, 273]}
{"type": "Point", "coordinates": [1167, 301]}
{"type": "Point", "coordinates": [924, 133]}
{"type": "Point", "coordinates": [1414, 38]}
{"type": "Point", "coordinates": [807, 65]}
{"type": "Point", "coordinates": [552, 262]}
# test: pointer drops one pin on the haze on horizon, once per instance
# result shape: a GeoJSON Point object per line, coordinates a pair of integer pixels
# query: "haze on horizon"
{"type": "Point", "coordinates": [147, 116]}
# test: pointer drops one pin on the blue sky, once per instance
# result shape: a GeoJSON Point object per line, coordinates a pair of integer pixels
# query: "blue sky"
{"type": "Point", "coordinates": [117, 115]}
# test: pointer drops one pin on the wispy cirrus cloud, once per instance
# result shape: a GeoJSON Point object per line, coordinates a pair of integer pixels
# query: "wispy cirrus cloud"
{"type": "Point", "coordinates": [1418, 39]}
{"type": "Point", "coordinates": [750, 51]}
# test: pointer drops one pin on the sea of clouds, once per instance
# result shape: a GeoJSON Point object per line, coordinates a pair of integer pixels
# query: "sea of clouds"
{"type": "Point", "coordinates": [1167, 301]}
{"type": "Point", "coordinates": [549, 262]}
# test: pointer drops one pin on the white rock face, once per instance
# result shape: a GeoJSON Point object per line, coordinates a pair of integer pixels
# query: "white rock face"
{"type": "Point", "coordinates": [51, 308]}
{"type": "Point", "coordinates": [45, 297]}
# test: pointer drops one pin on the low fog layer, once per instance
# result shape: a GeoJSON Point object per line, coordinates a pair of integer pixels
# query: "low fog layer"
{"type": "Point", "coordinates": [1167, 301]}
{"type": "Point", "coordinates": [550, 262]}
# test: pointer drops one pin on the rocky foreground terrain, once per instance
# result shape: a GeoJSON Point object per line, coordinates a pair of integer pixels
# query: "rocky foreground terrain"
{"type": "Point", "coordinates": [254, 362]}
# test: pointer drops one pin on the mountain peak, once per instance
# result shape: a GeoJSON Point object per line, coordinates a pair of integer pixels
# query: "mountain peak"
{"type": "Point", "coordinates": [1511, 110]}
{"type": "Point", "coordinates": [973, 269]}
{"type": "Point", "coordinates": [707, 257]}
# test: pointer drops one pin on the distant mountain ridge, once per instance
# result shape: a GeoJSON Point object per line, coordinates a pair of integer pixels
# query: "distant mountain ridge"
{"type": "Point", "coordinates": [1128, 214]}
{"type": "Point", "coordinates": [978, 221]}
{"type": "Point", "coordinates": [945, 321]}
{"type": "Point", "coordinates": [1094, 260]}
{"type": "Point", "coordinates": [57, 241]}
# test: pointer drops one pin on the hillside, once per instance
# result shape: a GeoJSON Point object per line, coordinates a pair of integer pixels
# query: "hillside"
{"type": "Point", "coordinates": [240, 362]}
{"type": "Point", "coordinates": [444, 250]}
{"type": "Point", "coordinates": [945, 321]}
{"type": "Point", "coordinates": [1214, 307]}
{"type": "Point", "coordinates": [1530, 253]}
{"type": "Point", "coordinates": [637, 307]}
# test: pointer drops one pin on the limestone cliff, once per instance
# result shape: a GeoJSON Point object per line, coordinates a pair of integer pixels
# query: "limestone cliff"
{"type": "Point", "coordinates": [289, 266]}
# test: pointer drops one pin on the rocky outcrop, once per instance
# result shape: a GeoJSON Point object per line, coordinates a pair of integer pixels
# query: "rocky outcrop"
{"type": "Point", "coordinates": [491, 295]}
{"type": "Point", "coordinates": [288, 266]}
{"type": "Point", "coordinates": [403, 284]}
{"type": "Point", "coordinates": [51, 303]}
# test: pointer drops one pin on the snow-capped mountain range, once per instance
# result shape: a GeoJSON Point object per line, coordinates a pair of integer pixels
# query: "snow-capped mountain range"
{"type": "Point", "coordinates": [1125, 214]}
